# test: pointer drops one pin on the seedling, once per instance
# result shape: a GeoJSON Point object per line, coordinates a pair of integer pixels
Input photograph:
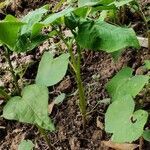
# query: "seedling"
{"type": "Point", "coordinates": [90, 34]}
{"type": "Point", "coordinates": [121, 119]}
{"type": "Point", "coordinates": [32, 106]}
{"type": "Point", "coordinates": [21, 35]}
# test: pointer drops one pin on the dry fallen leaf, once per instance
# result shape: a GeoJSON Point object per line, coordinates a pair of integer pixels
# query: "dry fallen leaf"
{"type": "Point", "coordinates": [99, 123]}
{"type": "Point", "coordinates": [57, 100]}
{"type": "Point", "coordinates": [50, 107]}
{"type": "Point", "coordinates": [117, 146]}
{"type": "Point", "coordinates": [143, 41]}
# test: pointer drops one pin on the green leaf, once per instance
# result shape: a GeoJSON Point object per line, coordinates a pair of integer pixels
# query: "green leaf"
{"type": "Point", "coordinates": [146, 135]}
{"type": "Point", "coordinates": [26, 43]}
{"type": "Point", "coordinates": [71, 21]}
{"type": "Point", "coordinates": [120, 78]}
{"type": "Point", "coordinates": [53, 17]}
{"type": "Point", "coordinates": [99, 35]}
{"type": "Point", "coordinates": [26, 145]}
{"type": "Point", "coordinates": [147, 64]}
{"type": "Point", "coordinates": [9, 31]}
{"type": "Point", "coordinates": [10, 18]}
{"type": "Point", "coordinates": [36, 29]}
{"type": "Point", "coordinates": [52, 70]}
{"type": "Point", "coordinates": [123, 83]}
{"type": "Point", "coordinates": [33, 18]}
{"type": "Point", "coordinates": [32, 107]}
{"type": "Point", "coordinates": [121, 120]}
{"type": "Point", "coordinates": [122, 2]}
{"type": "Point", "coordinates": [87, 2]}
{"type": "Point", "coordinates": [60, 98]}
{"type": "Point", "coordinates": [134, 85]}
{"type": "Point", "coordinates": [94, 2]}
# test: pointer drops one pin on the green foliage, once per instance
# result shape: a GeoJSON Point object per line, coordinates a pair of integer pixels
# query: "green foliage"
{"type": "Point", "coordinates": [124, 83]}
{"type": "Point", "coordinates": [87, 2]}
{"type": "Point", "coordinates": [32, 19]}
{"type": "Point", "coordinates": [9, 29]}
{"type": "Point", "coordinates": [32, 107]}
{"type": "Point", "coordinates": [121, 2]}
{"type": "Point", "coordinates": [60, 98]}
{"type": "Point", "coordinates": [53, 17]}
{"type": "Point", "coordinates": [99, 35]}
{"type": "Point", "coordinates": [147, 64]}
{"type": "Point", "coordinates": [146, 135]}
{"type": "Point", "coordinates": [23, 35]}
{"type": "Point", "coordinates": [119, 79]}
{"type": "Point", "coordinates": [121, 120]}
{"type": "Point", "coordinates": [51, 70]}
{"type": "Point", "coordinates": [26, 145]}
{"type": "Point", "coordinates": [25, 43]}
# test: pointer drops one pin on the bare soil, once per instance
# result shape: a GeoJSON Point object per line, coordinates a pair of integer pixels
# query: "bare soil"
{"type": "Point", "coordinates": [97, 69]}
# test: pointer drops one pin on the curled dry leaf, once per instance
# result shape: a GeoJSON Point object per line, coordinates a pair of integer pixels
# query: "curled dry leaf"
{"type": "Point", "coordinates": [99, 123]}
{"type": "Point", "coordinates": [143, 41]}
{"type": "Point", "coordinates": [57, 101]}
{"type": "Point", "coordinates": [118, 146]}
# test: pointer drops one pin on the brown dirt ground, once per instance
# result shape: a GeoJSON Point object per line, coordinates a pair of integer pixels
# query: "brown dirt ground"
{"type": "Point", "coordinates": [97, 69]}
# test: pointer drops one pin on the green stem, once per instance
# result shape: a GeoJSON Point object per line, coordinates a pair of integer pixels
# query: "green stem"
{"type": "Point", "coordinates": [148, 40]}
{"type": "Point", "coordinates": [82, 100]}
{"type": "Point", "coordinates": [45, 137]}
{"type": "Point", "coordinates": [76, 66]}
{"type": "Point", "coordinates": [7, 55]}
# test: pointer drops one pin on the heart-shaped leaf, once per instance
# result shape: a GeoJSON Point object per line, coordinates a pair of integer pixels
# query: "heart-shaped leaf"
{"type": "Point", "coordinates": [121, 120]}
{"type": "Point", "coordinates": [52, 70]}
{"type": "Point", "coordinates": [99, 35]}
{"type": "Point", "coordinates": [32, 107]}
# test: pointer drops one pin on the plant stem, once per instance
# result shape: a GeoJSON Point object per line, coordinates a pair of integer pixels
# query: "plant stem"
{"type": "Point", "coordinates": [7, 55]}
{"type": "Point", "coordinates": [45, 137]}
{"type": "Point", "coordinates": [82, 100]}
{"type": "Point", "coordinates": [148, 39]}
{"type": "Point", "coordinates": [76, 67]}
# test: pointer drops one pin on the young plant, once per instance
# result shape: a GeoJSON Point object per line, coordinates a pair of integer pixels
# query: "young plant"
{"type": "Point", "coordinates": [32, 106]}
{"type": "Point", "coordinates": [122, 119]}
{"type": "Point", "coordinates": [21, 35]}
{"type": "Point", "coordinates": [88, 33]}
